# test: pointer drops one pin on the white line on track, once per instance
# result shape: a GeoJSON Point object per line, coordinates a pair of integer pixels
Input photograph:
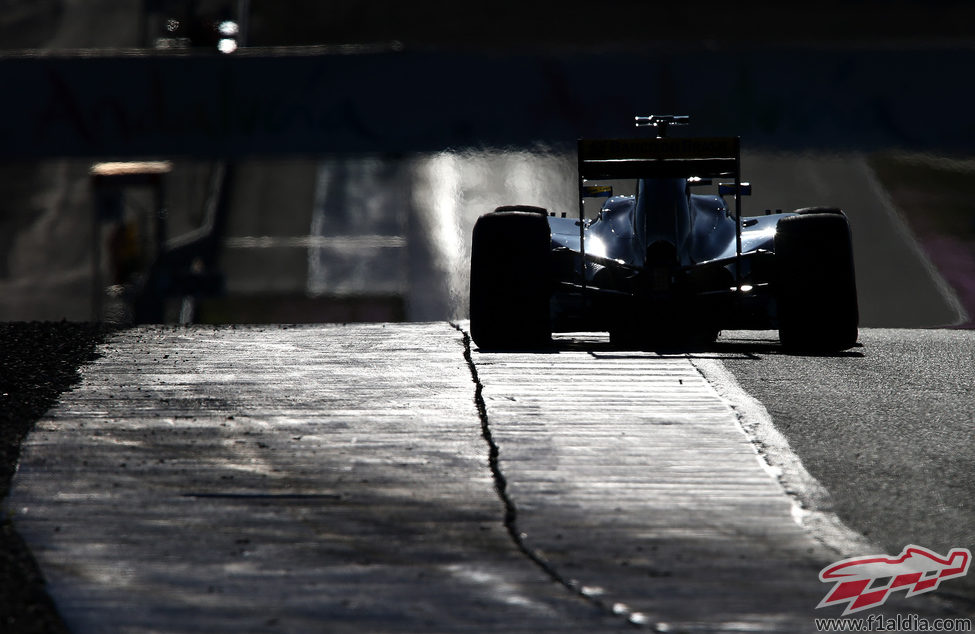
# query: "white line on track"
{"type": "Point", "coordinates": [900, 225]}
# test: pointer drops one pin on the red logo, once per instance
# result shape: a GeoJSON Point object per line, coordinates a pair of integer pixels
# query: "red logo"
{"type": "Point", "coordinates": [866, 582]}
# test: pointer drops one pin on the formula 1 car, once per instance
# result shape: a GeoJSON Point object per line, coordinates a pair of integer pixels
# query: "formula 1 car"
{"type": "Point", "coordinates": [664, 266]}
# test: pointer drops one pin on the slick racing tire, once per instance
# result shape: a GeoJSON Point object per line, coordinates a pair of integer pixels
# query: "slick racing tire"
{"type": "Point", "coordinates": [815, 283]}
{"type": "Point", "coordinates": [511, 281]}
{"type": "Point", "coordinates": [805, 211]}
{"type": "Point", "coordinates": [526, 208]}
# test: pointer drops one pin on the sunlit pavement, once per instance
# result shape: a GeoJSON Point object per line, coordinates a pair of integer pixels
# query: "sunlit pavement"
{"type": "Point", "coordinates": [634, 478]}
{"type": "Point", "coordinates": [356, 478]}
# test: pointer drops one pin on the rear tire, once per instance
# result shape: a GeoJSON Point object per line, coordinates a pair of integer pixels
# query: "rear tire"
{"type": "Point", "coordinates": [815, 282]}
{"type": "Point", "coordinates": [511, 281]}
{"type": "Point", "coordinates": [805, 211]}
{"type": "Point", "coordinates": [526, 208]}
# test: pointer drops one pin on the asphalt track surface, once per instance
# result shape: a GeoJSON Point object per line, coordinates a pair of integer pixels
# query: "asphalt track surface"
{"type": "Point", "coordinates": [358, 479]}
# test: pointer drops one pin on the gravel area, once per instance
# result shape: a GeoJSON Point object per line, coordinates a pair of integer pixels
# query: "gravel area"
{"type": "Point", "coordinates": [38, 361]}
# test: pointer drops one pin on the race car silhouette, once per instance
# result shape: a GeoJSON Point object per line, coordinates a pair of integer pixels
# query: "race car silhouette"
{"type": "Point", "coordinates": [663, 266]}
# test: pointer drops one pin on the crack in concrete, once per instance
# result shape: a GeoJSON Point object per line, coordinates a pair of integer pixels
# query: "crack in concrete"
{"type": "Point", "coordinates": [511, 510]}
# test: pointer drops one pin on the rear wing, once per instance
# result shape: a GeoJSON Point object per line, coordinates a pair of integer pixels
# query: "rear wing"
{"type": "Point", "coordinates": [717, 157]}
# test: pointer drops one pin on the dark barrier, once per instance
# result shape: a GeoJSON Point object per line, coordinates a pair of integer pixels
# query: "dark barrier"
{"type": "Point", "coordinates": [312, 102]}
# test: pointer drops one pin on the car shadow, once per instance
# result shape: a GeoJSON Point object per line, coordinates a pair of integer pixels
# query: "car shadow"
{"type": "Point", "coordinates": [746, 348]}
